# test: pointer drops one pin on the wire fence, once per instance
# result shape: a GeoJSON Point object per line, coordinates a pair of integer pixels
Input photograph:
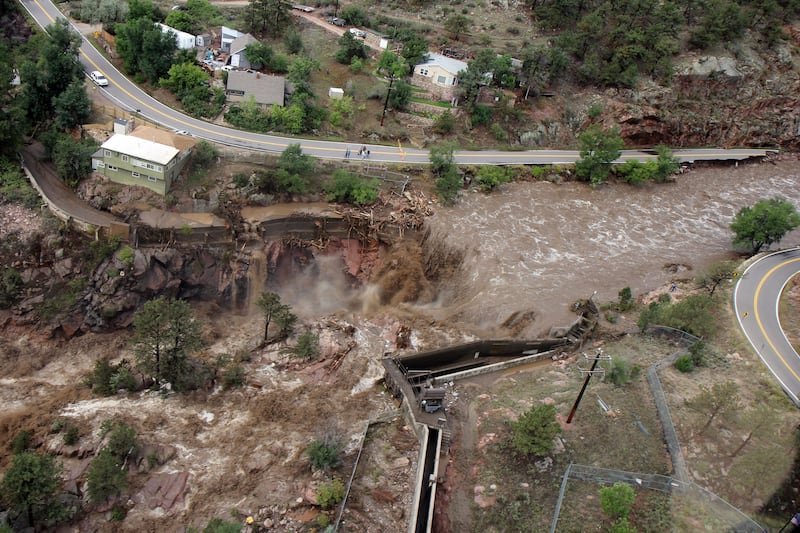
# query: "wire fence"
{"type": "Point", "coordinates": [690, 503]}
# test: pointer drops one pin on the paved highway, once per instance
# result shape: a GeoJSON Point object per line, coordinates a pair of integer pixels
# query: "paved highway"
{"type": "Point", "coordinates": [130, 97]}
{"type": "Point", "coordinates": [756, 299]}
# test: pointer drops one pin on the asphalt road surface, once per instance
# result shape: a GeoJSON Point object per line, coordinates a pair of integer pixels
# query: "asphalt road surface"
{"type": "Point", "coordinates": [756, 299]}
{"type": "Point", "coordinates": [130, 97]}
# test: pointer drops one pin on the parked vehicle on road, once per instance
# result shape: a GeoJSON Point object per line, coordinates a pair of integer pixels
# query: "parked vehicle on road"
{"type": "Point", "coordinates": [336, 21]}
{"type": "Point", "coordinates": [358, 33]}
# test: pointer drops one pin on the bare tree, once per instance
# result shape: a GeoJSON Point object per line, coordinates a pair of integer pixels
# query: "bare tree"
{"type": "Point", "coordinates": [719, 400]}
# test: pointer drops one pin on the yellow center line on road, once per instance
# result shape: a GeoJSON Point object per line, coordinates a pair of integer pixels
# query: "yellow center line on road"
{"type": "Point", "coordinates": [758, 318]}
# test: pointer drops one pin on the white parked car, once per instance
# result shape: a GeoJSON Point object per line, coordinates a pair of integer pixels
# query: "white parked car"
{"type": "Point", "coordinates": [358, 33]}
{"type": "Point", "coordinates": [228, 68]}
{"type": "Point", "coordinates": [98, 78]}
{"type": "Point", "coordinates": [183, 132]}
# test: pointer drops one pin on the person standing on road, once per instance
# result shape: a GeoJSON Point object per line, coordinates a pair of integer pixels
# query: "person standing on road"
{"type": "Point", "coordinates": [347, 153]}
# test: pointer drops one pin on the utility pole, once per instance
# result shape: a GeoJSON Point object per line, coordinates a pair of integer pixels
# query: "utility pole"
{"type": "Point", "coordinates": [595, 359]}
{"type": "Point", "coordinates": [386, 102]}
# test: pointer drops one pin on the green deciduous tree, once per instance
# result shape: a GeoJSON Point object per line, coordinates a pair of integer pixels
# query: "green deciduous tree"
{"type": "Point", "coordinates": [355, 15]}
{"type": "Point", "coordinates": [448, 180]}
{"type": "Point", "coordinates": [55, 69]}
{"type": "Point", "coordinates": [764, 223]}
{"type": "Point", "coordinates": [31, 484]}
{"type": "Point", "coordinates": [718, 401]}
{"type": "Point", "coordinates": [294, 161]}
{"type": "Point", "coordinates": [164, 335]}
{"type": "Point", "coordinates": [73, 160]}
{"type": "Point", "coordinates": [183, 78]}
{"type": "Point", "coordinates": [72, 107]}
{"type": "Point", "coordinates": [182, 21]}
{"type": "Point", "coordinates": [415, 47]}
{"type": "Point", "coordinates": [533, 432]}
{"type": "Point", "coordinates": [345, 187]}
{"type": "Point", "coordinates": [301, 69]}
{"type": "Point", "coordinates": [599, 149]}
{"type": "Point", "coordinates": [145, 49]}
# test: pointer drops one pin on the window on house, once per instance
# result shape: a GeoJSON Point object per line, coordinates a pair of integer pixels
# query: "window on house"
{"type": "Point", "coordinates": [152, 178]}
{"type": "Point", "coordinates": [442, 80]}
{"type": "Point", "coordinates": [107, 153]}
{"type": "Point", "coordinates": [101, 164]}
{"type": "Point", "coordinates": [125, 158]}
{"type": "Point", "coordinates": [112, 168]}
{"type": "Point", "coordinates": [135, 174]}
{"type": "Point", "coordinates": [423, 71]}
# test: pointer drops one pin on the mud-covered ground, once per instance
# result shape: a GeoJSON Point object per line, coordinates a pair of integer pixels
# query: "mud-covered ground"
{"type": "Point", "coordinates": [515, 252]}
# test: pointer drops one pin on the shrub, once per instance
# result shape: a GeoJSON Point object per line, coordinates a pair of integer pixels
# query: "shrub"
{"type": "Point", "coordinates": [233, 376]}
{"type": "Point", "coordinates": [21, 442]}
{"type": "Point", "coordinates": [123, 378]}
{"type": "Point", "coordinates": [356, 65]}
{"type": "Point", "coordinates": [70, 436]}
{"type": "Point", "coordinates": [307, 346]}
{"type": "Point", "coordinates": [684, 363]}
{"type": "Point", "coordinates": [118, 513]}
{"type": "Point", "coordinates": [491, 177]}
{"type": "Point", "coordinates": [241, 180]}
{"type": "Point", "coordinates": [444, 123]}
{"type": "Point", "coordinates": [622, 372]}
{"type": "Point", "coordinates": [10, 286]}
{"type": "Point", "coordinates": [500, 134]}
{"type": "Point", "coordinates": [533, 432]}
{"type": "Point", "coordinates": [348, 188]}
{"type": "Point", "coordinates": [329, 494]}
{"type": "Point", "coordinates": [617, 500]}
{"type": "Point", "coordinates": [698, 352]}
{"type": "Point", "coordinates": [293, 42]}
{"type": "Point", "coordinates": [324, 454]}
{"type": "Point", "coordinates": [481, 114]}
{"type": "Point", "coordinates": [625, 299]}
{"type": "Point", "coordinates": [121, 440]}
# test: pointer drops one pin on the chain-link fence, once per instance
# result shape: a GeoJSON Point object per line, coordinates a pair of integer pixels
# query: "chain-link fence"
{"type": "Point", "coordinates": [691, 504]}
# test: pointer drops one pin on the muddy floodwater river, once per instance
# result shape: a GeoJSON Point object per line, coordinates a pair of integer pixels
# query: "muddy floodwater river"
{"type": "Point", "coordinates": [541, 246]}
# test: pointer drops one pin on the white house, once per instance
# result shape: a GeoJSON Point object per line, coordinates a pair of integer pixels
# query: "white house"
{"type": "Point", "coordinates": [185, 41]}
{"type": "Point", "coordinates": [228, 35]}
{"type": "Point", "coordinates": [439, 75]}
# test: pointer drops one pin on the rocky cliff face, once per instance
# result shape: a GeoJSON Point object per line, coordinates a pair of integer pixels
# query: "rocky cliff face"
{"type": "Point", "coordinates": [741, 98]}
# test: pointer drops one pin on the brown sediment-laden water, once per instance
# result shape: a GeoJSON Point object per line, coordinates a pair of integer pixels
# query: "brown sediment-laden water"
{"type": "Point", "coordinates": [541, 246]}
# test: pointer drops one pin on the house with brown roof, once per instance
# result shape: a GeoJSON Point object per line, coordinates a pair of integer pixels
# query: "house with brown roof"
{"type": "Point", "coordinates": [265, 90]}
{"type": "Point", "coordinates": [143, 156]}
